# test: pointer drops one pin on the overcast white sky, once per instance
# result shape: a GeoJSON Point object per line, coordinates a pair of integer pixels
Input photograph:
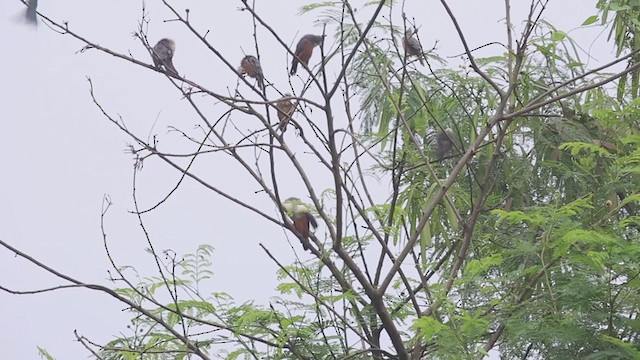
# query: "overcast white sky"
{"type": "Point", "coordinates": [60, 156]}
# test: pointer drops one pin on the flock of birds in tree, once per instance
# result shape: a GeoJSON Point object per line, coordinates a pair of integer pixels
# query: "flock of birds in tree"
{"type": "Point", "coordinates": [299, 213]}
{"type": "Point", "coordinates": [162, 56]}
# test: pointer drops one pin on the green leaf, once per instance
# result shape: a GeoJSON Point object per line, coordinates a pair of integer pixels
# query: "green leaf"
{"type": "Point", "coordinates": [631, 198]}
{"type": "Point", "coordinates": [576, 148]}
{"type": "Point", "coordinates": [451, 216]}
{"type": "Point", "coordinates": [577, 207]}
{"type": "Point", "coordinates": [558, 36]}
{"type": "Point", "coordinates": [314, 6]}
{"type": "Point", "coordinates": [590, 20]}
{"type": "Point", "coordinates": [289, 287]}
{"type": "Point", "coordinates": [44, 354]}
{"type": "Point", "coordinates": [480, 266]}
{"type": "Point", "coordinates": [473, 326]}
{"type": "Point", "coordinates": [425, 243]}
{"type": "Point", "coordinates": [428, 327]}
{"type": "Point", "coordinates": [628, 347]}
{"type": "Point", "coordinates": [618, 7]}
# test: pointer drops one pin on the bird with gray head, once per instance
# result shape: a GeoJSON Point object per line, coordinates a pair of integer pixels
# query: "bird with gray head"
{"type": "Point", "coordinates": [411, 45]}
{"type": "Point", "coordinates": [30, 14]}
{"type": "Point", "coordinates": [301, 217]}
{"type": "Point", "coordinates": [304, 50]}
{"type": "Point", "coordinates": [250, 65]}
{"type": "Point", "coordinates": [162, 55]}
{"type": "Point", "coordinates": [443, 144]}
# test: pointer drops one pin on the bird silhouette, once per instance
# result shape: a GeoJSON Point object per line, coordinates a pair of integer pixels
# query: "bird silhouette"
{"type": "Point", "coordinates": [304, 50]}
{"type": "Point", "coordinates": [285, 111]}
{"type": "Point", "coordinates": [411, 45]}
{"type": "Point", "coordinates": [31, 13]}
{"type": "Point", "coordinates": [162, 55]}
{"type": "Point", "coordinates": [301, 217]}
{"type": "Point", "coordinates": [250, 65]}
{"type": "Point", "coordinates": [444, 143]}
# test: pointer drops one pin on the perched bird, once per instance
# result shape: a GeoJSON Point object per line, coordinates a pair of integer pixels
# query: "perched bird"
{"type": "Point", "coordinates": [567, 111]}
{"type": "Point", "coordinates": [163, 55]}
{"type": "Point", "coordinates": [411, 45]}
{"type": "Point", "coordinates": [304, 50]}
{"type": "Point", "coordinates": [301, 217]}
{"type": "Point", "coordinates": [285, 111]}
{"type": "Point", "coordinates": [443, 144]}
{"type": "Point", "coordinates": [30, 14]}
{"type": "Point", "coordinates": [250, 65]}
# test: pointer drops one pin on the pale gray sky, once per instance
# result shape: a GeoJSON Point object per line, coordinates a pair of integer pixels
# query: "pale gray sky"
{"type": "Point", "coordinates": [60, 156]}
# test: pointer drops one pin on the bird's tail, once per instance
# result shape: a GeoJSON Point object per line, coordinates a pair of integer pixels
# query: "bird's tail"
{"type": "Point", "coordinates": [312, 221]}
{"type": "Point", "coordinates": [170, 68]}
{"type": "Point", "coordinates": [282, 127]}
{"type": "Point", "coordinates": [31, 16]}
{"type": "Point", "coordinates": [294, 66]}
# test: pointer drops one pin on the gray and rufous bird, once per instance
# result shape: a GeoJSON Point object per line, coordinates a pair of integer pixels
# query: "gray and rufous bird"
{"type": "Point", "coordinates": [162, 55]}
{"type": "Point", "coordinates": [285, 111]}
{"type": "Point", "coordinates": [411, 45]}
{"type": "Point", "coordinates": [301, 217]}
{"type": "Point", "coordinates": [250, 65]}
{"type": "Point", "coordinates": [30, 14]}
{"type": "Point", "coordinates": [444, 143]}
{"type": "Point", "coordinates": [304, 50]}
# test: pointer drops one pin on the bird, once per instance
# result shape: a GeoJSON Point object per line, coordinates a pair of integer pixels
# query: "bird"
{"type": "Point", "coordinates": [444, 143]}
{"type": "Point", "coordinates": [411, 45]}
{"type": "Point", "coordinates": [567, 111]}
{"type": "Point", "coordinates": [162, 55]}
{"type": "Point", "coordinates": [30, 14]}
{"type": "Point", "coordinates": [301, 217]}
{"type": "Point", "coordinates": [250, 65]}
{"type": "Point", "coordinates": [285, 111]}
{"type": "Point", "coordinates": [304, 50]}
